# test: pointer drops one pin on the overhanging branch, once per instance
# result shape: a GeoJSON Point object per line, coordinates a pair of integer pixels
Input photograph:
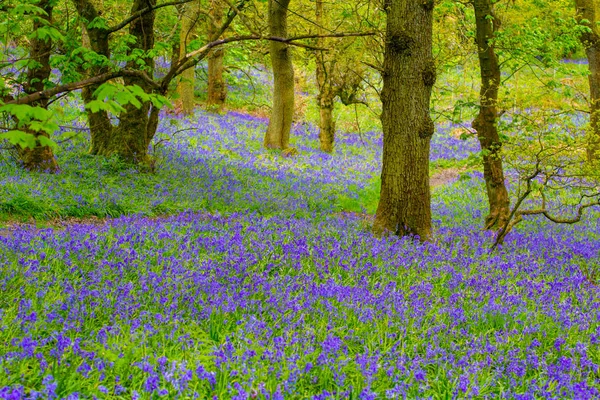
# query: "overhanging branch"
{"type": "Point", "coordinates": [69, 87]}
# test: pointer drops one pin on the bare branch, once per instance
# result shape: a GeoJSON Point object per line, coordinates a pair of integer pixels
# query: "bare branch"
{"type": "Point", "coordinates": [290, 41]}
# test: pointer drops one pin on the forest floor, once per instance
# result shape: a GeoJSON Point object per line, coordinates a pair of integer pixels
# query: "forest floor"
{"type": "Point", "coordinates": [8, 225]}
{"type": "Point", "coordinates": [232, 272]}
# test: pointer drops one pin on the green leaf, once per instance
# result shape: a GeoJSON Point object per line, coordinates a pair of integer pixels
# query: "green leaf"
{"type": "Point", "coordinates": [100, 105]}
{"type": "Point", "coordinates": [46, 141]}
{"type": "Point", "coordinates": [98, 23]}
{"type": "Point", "coordinates": [19, 138]}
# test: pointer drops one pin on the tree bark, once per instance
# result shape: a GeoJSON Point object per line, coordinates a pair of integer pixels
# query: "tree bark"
{"type": "Point", "coordinates": [185, 85]}
{"type": "Point", "coordinates": [136, 130]}
{"type": "Point", "coordinates": [326, 93]}
{"type": "Point", "coordinates": [101, 129]}
{"type": "Point", "coordinates": [326, 124]}
{"type": "Point", "coordinates": [409, 74]}
{"type": "Point", "coordinates": [40, 158]}
{"type": "Point", "coordinates": [217, 90]}
{"type": "Point", "coordinates": [280, 123]}
{"type": "Point", "coordinates": [486, 121]}
{"type": "Point", "coordinates": [586, 15]}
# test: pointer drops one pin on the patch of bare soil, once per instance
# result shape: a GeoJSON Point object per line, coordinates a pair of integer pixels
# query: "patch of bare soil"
{"type": "Point", "coordinates": [439, 178]}
{"type": "Point", "coordinates": [7, 228]}
{"type": "Point", "coordinates": [444, 177]}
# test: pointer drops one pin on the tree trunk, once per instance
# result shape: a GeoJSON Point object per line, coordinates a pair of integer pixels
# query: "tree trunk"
{"type": "Point", "coordinates": [185, 85]}
{"type": "Point", "coordinates": [40, 158]}
{"type": "Point", "coordinates": [326, 92]}
{"type": "Point", "coordinates": [175, 50]}
{"type": "Point", "coordinates": [280, 124]}
{"type": "Point", "coordinates": [101, 129]}
{"type": "Point", "coordinates": [326, 125]}
{"type": "Point", "coordinates": [409, 74]}
{"type": "Point", "coordinates": [135, 131]}
{"type": "Point", "coordinates": [485, 122]}
{"type": "Point", "coordinates": [586, 15]}
{"type": "Point", "coordinates": [217, 90]}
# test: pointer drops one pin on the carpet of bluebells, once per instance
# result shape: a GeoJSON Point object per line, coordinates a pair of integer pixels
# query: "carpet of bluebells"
{"type": "Point", "coordinates": [257, 286]}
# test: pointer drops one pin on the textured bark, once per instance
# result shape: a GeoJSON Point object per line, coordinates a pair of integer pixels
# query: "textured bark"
{"type": "Point", "coordinates": [486, 121]}
{"type": "Point", "coordinates": [135, 131]}
{"type": "Point", "coordinates": [280, 123]}
{"type": "Point", "coordinates": [217, 90]}
{"type": "Point", "coordinates": [586, 10]}
{"type": "Point", "coordinates": [40, 158]}
{"type": "Point", "coordinates": [101, 129]}
{"type": "Point", "coordinates": [409, 74]}
{"type": "Point", "coordinates": [175, 50]}
{"type": "Point", "coordinates": [131, 138]}
{"type": "Point", "coordinates": [326, 94]}
{"type": "Point", "coordinates": [326, 126]}
{"type": "Point", "coordinates": [185, 85]}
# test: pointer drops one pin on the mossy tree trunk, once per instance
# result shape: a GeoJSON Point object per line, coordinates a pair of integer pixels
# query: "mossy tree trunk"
{"type": "Point", "coordinates": [486, 121]}
{"type": "Point", "coordinates": [40, 158]}
{"type": "Point", "coordinates": [409, 74]}
{"type": "Point", "coordinates": [586, 15]}
{"type": "Point", "coordinates": [101, 129]}
{"type": "Point", "coordinates": [217, 89]}
{"type": "Point", "coordinates": [326, 96]}
{"type": "Point", "coordinates": [137, 126]}
{"type": "Point", "coordinates": [280, 123]}
{"type": "Point", "coordinates": [185, 85]}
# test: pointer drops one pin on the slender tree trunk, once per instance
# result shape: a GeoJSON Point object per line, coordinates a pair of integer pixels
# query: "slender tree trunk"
{"type": "Point", "coordinates": [326, 125]}
{"type": "Point", "coordinates": [217, 90]}
{"type": "Point", "coordinates": [185, 85]}
{"type": "Point", "coordinates": [41, 157]}
{"type": "Point", "coordinates": [409, 74]}
{"type": "Point", "coordinates": [175, 50]}
{"type": "Point", "coordinates": [136, 129]}
{"type": "Point", "coordinates": [586, 15]}
{"type": "Point", "coordinates": [485, 122]}
{"type": "Point", "coordinates": [280, 124]}
{"type": "Point", "coordinates": [101, 129]}
{"type": "Point", "coordinates": [326, 91]}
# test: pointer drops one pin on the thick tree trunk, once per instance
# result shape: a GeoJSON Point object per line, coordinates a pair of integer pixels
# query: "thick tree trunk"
{"type": "Point", "coordinates": [217, 90]}
{"type": "Point", "coordinates": [586, 15]}
{"type": "Point", "coordinates": [40, 158]}
{"type": "Point", "coordinates": [485, 122]}
{"type": "Point", "coordinates": [185, 86]}
{"type": "Point", "coordinates": [409, 74]}
{"type": "Point", "coordinates": [101, 129]}
{"type": "Point", "coordinates": [280, 124]}
{"type": "Point", "coordinates": [136, 130]}
{"type": "Point", "coordinates": [326, 91]}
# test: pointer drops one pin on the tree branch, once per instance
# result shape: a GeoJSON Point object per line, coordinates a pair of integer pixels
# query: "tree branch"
{"type": "Point", "coordinates": [289, 41]}
{"type": "Point", "coordinates": [187, 61]}
{"type": "Point", "coordinates": [69, 87]}
{"type": "Point", "coordinates": [140, 13]}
